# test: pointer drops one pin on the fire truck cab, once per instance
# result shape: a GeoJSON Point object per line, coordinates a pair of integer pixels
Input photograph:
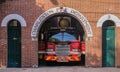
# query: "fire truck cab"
{"type": "Point", "coordinates": [63, 47]}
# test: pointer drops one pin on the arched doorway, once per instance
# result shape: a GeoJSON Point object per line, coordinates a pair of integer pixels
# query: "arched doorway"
{"type": "Point", "coordinates": [108, 44]}
{"type": "Point", "coordinates": [60, 28]}
{"type": "Point", "coordinates": [14, 43]}
{"type": "Point", "coordinates": [39, 23]}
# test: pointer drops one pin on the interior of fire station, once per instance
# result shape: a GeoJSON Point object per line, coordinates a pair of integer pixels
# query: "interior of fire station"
{"type": "Point", "coordinates": [60, 29]}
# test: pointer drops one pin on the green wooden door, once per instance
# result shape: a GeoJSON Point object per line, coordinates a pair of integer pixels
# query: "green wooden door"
{"type": "Point", "coordinates": [108, 46]}
{"type": "Point", "coordinates": [14, 46]}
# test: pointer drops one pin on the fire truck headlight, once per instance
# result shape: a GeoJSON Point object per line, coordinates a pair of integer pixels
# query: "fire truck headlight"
{"type": "Point", "coordinates": [50, 50]}
{"type": "Point", "coordinates": [75, 50]}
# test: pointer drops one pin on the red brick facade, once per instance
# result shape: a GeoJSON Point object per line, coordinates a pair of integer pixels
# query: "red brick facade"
{"type": "Point", "coordinates": [30, 10]}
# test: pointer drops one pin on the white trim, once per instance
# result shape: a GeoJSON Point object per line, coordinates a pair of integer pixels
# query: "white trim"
{"type": "Point", "coordinates": [111, 17]}
{"type": "Point", "coordinates": [11, 17]}
{"type": "Point", "coordinates": [71, 11]}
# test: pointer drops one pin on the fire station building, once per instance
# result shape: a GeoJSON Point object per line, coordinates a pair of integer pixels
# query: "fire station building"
{"type": "Point", "coordinates": [25, 23]}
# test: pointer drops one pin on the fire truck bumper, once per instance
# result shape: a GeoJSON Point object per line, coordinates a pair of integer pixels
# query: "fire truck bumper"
{"type": "Point", "coordinates": [62, 58]}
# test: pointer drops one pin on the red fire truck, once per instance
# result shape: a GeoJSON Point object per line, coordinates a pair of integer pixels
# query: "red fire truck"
{"type": "Point", "coordinates": [62, 47]}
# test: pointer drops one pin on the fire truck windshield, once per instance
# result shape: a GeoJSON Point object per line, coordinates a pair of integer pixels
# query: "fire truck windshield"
{"type": "Point", "coordinates": [62, 37]}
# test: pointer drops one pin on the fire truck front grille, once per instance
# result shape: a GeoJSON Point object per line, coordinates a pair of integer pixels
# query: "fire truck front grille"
{"type": "Point", "coordinates": [62, 50]}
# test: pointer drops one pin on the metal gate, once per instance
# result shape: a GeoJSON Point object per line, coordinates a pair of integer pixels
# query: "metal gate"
{"type": "Point", "coordinates": [108, 46]}
{"type": "Point", "coordinates": [14, 44]}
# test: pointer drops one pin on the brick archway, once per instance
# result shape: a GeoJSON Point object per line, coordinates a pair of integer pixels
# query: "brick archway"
{"type": "Point", "coordinates": [108, 17]}
{"type": "Point", "coordinates": [38, 23]}
{"type": "Point", "coordinates": [13, 17]}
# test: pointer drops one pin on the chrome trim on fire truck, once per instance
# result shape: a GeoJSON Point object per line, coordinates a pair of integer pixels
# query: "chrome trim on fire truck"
{"type": "Point", "coordinates": [78, 53]}
{"type": "Point", "coordinates": [43, 52]}
{"type": "Point", "coordinates": [50, 52]}
{"type": "Point", "coordinates": [62, 50]}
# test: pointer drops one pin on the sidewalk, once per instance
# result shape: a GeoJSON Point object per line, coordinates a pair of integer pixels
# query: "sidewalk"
{"type": "Point", "coordinates": [61, 69]}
